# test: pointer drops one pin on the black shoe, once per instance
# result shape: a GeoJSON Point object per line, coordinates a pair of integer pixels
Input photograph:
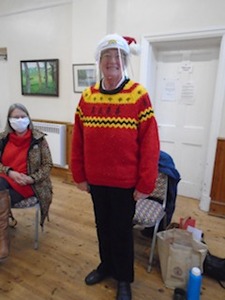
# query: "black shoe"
{"type": "Point", "coordinates": [94, 277]}
{"type": "Point", "coordinates": [123, 291]}
{"type": "Point", "coordinates": [179, 294]}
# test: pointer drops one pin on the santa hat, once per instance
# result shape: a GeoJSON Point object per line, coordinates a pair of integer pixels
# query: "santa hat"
{"type": "Point", "coordinates": [134, 47]}
{"type": "Point", "coordinates": [115, 41]}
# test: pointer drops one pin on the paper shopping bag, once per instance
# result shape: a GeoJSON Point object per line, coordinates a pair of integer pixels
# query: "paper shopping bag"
{"type": "Point", "coordinates": [178, 253]}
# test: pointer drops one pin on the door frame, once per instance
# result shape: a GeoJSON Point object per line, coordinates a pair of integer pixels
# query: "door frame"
{"type": "Point", "coordinates": [147, 78]}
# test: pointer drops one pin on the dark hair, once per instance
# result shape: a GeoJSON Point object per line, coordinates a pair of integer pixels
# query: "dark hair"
{"type": "Point", "coordinates": [12, 107]}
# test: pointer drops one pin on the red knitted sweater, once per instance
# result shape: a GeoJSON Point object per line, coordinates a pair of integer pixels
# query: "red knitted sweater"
{"type": "Point", "coordinates": [15, 156]}
{"type": "Point", "coordinates": [115, 138]}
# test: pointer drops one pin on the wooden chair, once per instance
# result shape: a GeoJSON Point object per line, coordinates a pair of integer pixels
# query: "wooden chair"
{"type": "Point", "coordinates": [150, 212]}
{"type": "Point", "coordinates": [31, 202]}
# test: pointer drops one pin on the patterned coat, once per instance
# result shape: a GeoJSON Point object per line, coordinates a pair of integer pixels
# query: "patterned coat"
{"type": "Point", "coordinates": [39, 164]}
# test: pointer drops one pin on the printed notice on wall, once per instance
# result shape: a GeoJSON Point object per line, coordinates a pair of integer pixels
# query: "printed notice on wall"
{"type": "Point", "coordinates": [186, 67]}
{"type": "Point", "coordinates": [187, 92]}
{"type": "Point", "coordinates": [169, 90]}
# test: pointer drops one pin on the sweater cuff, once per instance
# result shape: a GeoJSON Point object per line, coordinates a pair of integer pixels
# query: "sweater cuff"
{"type": "Point", "coordinates": [8, 170]}
{"type": "Point", "coordinates": [32, 177]}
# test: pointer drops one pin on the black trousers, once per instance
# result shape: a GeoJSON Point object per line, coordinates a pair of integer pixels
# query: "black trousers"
{"type": "Point", "coordinates": [14, 195]}
{"type": "Point", "coordinates": [114, 210]}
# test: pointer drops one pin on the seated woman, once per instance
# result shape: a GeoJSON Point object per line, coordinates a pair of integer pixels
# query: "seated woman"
{"type": "Point", "coordinates": [25, 165]}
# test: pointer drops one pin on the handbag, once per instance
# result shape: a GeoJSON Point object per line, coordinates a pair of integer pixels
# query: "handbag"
{"type": "Point", "coordinates": [214, 267]}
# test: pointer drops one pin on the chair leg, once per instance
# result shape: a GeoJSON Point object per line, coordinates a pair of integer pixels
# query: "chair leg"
{"type": "Point", "coordinates": [12, 220]}
{"type": "Point", "coordinates": [152, 250]}
{"type": "Point", "coordinates": [164, 222]}
{"type": "Point", "coordinates": [36, 244]}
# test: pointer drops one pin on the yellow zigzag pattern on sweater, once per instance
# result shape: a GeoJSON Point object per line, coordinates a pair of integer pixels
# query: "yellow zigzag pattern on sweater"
{"type": "Point", "coordinates": [114, 122]}
{"type": "Point", "coordinates": [119, 98]}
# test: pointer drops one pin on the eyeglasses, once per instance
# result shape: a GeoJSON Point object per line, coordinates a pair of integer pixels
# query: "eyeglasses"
{"type": "Point", "coordinates": [109, 57]}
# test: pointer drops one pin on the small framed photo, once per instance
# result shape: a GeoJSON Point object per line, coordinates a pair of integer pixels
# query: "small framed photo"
{"type": "Point", "coordinates": [84, 75]}
{"type": "Point", "coordinates": [40, 77]}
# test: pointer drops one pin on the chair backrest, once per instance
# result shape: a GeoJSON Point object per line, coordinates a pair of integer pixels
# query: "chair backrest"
{"type": "Point", "coordinates": [160, 191]}
{"type": "Point", "coordinates": [149, 211]}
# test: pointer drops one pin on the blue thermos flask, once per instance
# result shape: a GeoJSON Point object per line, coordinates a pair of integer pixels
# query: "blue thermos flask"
{"type": "Point", "coordinates": [194, 284]}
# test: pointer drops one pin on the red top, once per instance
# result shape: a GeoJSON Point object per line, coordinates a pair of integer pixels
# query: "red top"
{"type": "Point", "coordinates": [15, 156]}
{"type": "Point", "coordinates": [115, 139]}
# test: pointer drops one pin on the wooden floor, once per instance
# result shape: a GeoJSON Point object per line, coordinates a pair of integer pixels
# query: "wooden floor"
{"type": "Point", "coordinates": [68, 251]}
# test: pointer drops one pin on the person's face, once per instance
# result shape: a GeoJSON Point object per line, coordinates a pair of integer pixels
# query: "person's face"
{"type": "Point", "coordinates": [19, 121]}
{"type": "Point", "coordinates": [112, 63]}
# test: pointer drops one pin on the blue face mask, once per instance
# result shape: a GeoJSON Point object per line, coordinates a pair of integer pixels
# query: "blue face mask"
{"type": "Point", "coordinates": [19, 124]}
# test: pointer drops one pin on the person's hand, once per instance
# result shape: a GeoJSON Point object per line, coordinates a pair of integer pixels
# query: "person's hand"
{"type": "Point", "coordinates": [138, 195]}
{"type": "Point", "coordinates": [83, 186]}
{"type": "Point", "coordinates": [27, 179]}
{"type": "Point", "coordinates": [20, 178]}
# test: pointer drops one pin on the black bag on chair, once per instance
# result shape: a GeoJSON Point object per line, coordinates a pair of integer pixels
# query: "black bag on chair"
{"type": "Point", "coordinates": [214, 267]}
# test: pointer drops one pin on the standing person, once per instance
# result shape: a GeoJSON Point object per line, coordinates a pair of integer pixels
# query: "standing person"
{"type": "Point", "coordinates": [25, 165]}
{"type": "Point", "coordinates": [115, 151]}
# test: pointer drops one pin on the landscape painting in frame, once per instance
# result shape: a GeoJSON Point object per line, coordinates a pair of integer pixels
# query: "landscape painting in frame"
{"type": "Point", "coordinates": [84, 75]}
{"type": "Point", "coordinates": [40, 77]}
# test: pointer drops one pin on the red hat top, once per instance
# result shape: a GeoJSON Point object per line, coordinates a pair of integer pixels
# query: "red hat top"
{"type": "Point", "coordinates": [134, 47]}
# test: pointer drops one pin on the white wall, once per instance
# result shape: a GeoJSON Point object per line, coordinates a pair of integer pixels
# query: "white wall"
{"type": "Point", "coordinates": [88, 27]}
{"type": "Point", "coordinates": [222, 126]}
{"type": "Point", "coordinates": [36, 33]}
{"type": "Point", "coordinates": [70, 29]}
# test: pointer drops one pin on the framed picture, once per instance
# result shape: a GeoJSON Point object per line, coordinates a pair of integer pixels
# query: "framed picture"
{"type": "Point", "coordinates": [84, 75]}
{"type": "Point", "coordinates": [40, 77]}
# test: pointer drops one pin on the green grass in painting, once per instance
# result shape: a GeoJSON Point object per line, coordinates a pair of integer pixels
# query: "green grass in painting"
{"type": "Point", "coordinates": [37, 87]}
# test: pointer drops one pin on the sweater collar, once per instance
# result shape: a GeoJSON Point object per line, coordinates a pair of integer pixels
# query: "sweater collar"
{"type": "Point", "coordinates": [18, 140]}
{"type": "Point", "coordinates": [116, 90]}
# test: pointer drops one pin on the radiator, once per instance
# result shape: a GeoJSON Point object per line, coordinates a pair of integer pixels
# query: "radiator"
{"type": "Point", "coordinates": [56, 138]}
